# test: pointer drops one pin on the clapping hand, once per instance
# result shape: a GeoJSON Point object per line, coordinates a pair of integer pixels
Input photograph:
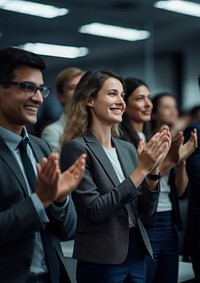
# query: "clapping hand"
{"type": "Point", "coordinates": [152, 154]}
{"type": "Point", "coordinates": [189, 147]}
{"type": "Point", "coordinates": [173, 156]}
{"type": "Point", "coordinates": [178, 151]}
{"type": "Point", "coordinates": [51, 184]}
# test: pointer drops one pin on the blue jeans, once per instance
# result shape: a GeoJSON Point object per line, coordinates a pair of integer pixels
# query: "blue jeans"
{"type": "Point", "coordinates": [132, 270]}
{"type": "Point", "coordinates": [164, 241]}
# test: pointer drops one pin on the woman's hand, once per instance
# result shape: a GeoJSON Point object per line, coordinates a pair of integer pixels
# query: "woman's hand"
{"type": "Point", "coordinates": [189, 147]}
{"type": "Point", "coordinates": [152, 154]}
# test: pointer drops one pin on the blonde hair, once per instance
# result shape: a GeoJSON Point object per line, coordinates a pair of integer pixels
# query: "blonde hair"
{"type": "Point", "coordinates": [79, 116]}
{"type": "Point", "coordinates": [65, 76]}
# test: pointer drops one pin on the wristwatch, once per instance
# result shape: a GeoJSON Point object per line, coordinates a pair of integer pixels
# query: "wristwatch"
{"type": "Point", "coordinates": [154, 177]}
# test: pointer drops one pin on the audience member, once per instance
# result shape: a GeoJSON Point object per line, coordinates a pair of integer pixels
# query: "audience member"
{"type": "Point", "coordinates": [110, 239]}
{"type": "Point", "coordinates": [66, 82]}
{"type": "Point", "coordinates": [160, 226]}
{"type": "Point", "coordinates": [166, 109]}
{"type": "Point", "coordinates": [194, 114]}
{"type": "Point", "coordinates": [135, 124]}
{"type": "Point", "coordinates": [192, 243]}
{"type": "Point", "coordinates": [35, 212]}
{"type": "Point", "coordinates": [173, 185]}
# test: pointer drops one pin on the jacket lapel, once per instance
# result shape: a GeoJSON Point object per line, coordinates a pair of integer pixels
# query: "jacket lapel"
{"type": "Point", "coordinates": [36, 151]}
{"type": "Point", "coordinates": [124, 157]}
{"type": "Point", "coordinates": [103, 159]}
{"type": "Point", "coordinates": [122, 152]}
{"type": "Point", "coordinates": [11, 162]}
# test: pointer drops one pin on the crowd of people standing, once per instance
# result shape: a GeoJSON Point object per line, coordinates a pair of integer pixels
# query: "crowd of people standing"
{"type": "Point", "coordinates": [108, 173]}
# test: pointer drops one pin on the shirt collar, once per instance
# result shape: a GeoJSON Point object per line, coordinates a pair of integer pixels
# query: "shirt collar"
{"type": "Point", "coordinates": [11, 139]}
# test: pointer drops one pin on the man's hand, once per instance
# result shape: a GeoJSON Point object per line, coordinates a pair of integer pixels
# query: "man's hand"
{"type": "Point", "coordinates": [70, 178]}
{"type": "Point", "coordinates": [51, 185]}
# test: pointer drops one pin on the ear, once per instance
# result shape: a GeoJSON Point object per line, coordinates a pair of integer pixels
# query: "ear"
{"type": "Point", "coordinates": [90, 103]}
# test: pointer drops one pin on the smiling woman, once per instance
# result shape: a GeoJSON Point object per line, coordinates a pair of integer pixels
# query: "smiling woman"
{"type": "Point", "coordinates": [160, 226]}
{"type": "Point", "coordinates": [110, 239]}
{"type": "Point", "coordinates": [135, 123]}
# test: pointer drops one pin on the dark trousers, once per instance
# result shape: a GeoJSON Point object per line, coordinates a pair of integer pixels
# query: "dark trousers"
{"type": "Point", "coordinates": [164, 241]}
{"type": "Point", "coordinates": [195, 258]}
{"type": "Point", "coordinates": [133, 269]}
{"type": "Point", "coordinates": [38, 279]}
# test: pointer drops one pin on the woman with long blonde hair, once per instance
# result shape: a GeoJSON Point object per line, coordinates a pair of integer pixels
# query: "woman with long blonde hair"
{"type": "Point", "coordinates": [119, 183]}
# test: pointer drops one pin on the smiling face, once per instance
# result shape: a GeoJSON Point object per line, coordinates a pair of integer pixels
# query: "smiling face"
{"type": "Point", "coordinates": [139, 105]}
{"type": "Point", "coordinates": [107, 108]}
{"type": "Point", "coordinates": [16, 108]}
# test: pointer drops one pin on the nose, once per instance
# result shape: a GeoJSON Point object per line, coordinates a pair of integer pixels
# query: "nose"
{"type": "Point", "coordinates": [120, 102]}
{"type": "Point", "coordinates": [148, 102]}
{"type": "Point", "coordinates": [37, 97]}
{"type": "Point", "coordinates": [120, 99]}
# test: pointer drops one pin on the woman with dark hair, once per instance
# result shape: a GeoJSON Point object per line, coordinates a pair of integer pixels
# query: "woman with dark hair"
{"type": "Point", "coordinates": [161, 225]}
{"type": "Point", "coordinates": [136, 124]}
{"type": "Point", "coordinates": [119, 183]}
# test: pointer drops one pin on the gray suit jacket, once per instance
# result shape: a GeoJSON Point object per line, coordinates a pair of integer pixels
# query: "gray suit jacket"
{"type": "Point", "coordinates": [19, 220]}
{"type": "Point", "coordinates": [102, 233]}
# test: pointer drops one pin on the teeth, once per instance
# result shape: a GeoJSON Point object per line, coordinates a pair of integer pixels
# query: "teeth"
{"type": "Point", "coordinates": [117, 111]}
{"type": "Point", "coordinates": [33, 108]}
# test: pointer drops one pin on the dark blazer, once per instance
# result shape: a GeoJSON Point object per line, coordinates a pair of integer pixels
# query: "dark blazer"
{"type": "Point", "coordinates": [192, 242]}
{"type": "Point", "coordinates": [102, 233]}
{"type": "Point", "coordinates": [19, 220]}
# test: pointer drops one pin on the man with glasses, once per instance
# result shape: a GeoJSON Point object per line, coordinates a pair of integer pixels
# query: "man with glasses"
{"type": "Point", "coordinates": [35, 212]}
{"type": "Point", "coordinates": [29, 88]}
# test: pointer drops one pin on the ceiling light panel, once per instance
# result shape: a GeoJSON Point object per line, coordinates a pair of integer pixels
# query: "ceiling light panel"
{"type": "Point", "coordinates": [183, 7]}
{"type": "Point", "coordinates": [32, 8]}
{"type": "Point", "coordinates": [55, 50]}
{"type": "Point", "coordinates": [117, 32]}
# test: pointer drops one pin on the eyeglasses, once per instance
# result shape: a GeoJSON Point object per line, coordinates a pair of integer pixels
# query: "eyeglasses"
{"type": "Point", "coordinates": [30, 89]}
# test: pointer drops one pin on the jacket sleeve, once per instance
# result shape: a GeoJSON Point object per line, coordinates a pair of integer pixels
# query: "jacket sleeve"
{"type": "Point", "coordinates": [63, 224]}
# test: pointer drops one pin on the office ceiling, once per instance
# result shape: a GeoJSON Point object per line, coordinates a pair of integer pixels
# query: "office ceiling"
{"type": "Point", "coordinates": [171, 32]}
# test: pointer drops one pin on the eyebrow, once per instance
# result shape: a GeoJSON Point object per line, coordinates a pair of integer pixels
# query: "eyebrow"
{"type": "Point", "coordinates": [32, 83]}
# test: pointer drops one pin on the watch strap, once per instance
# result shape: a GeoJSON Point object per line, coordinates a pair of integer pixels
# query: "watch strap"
{"type": "Point", "coordinates": [154, 177]}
